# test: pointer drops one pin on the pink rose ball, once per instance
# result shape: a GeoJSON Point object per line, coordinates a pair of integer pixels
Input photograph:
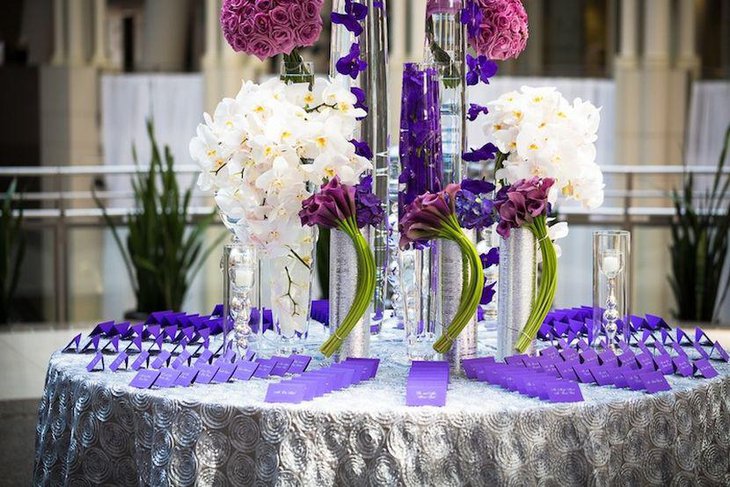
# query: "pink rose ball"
{"type": "Point", "coordinates": [265, 28]}
{"type": "Point", "coordinates": [497, 29]}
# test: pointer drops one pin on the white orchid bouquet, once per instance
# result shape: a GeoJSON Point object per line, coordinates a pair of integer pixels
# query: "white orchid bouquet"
{"type": "Point", "coordinates": [262, 153]}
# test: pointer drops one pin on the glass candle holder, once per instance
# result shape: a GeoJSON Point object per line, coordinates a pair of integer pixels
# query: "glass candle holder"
{"type": "Point", "coordinates": [611, 277]}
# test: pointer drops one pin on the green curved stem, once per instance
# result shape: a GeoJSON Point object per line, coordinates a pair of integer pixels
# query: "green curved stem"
{"type": "Point", "coordinates": [363, 292]}
{"type": "Point", "coordinates": [548, 285]}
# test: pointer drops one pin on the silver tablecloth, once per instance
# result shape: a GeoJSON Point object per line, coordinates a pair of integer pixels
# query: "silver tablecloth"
{"type": "Point", "coordinates": [95, 429]}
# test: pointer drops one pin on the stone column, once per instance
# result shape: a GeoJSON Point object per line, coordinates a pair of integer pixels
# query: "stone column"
{"type": "Point", "coordinates": [166, 23]}
{"type": "Point", "coordinates": [99, 57]}
{"type": "Point", "coordinates": [628, 86]}
{"type": "Point", "coordinates": [534, 51]}
{"type": "Point", "coordinates": [417, 18]}
{"type": "Point", "coordinates": [211, 57]}
{"type": "Point", "coordinates": [77, 22]}
{"type": "Point", "coordinates": [59, 43]}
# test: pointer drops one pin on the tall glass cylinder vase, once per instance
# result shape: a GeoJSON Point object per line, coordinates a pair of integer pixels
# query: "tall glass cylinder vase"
{"type": "Point", "coordinates": [421, 161]}
{"type": "Point", "coordinates": [343, 282]}
{"type": "Point", "coordinates": [611, 291]}
{"type": "Point", "coordinates": [517, 287]}
{"type": "Point", "coordinates": [284, 290]}
{"type": "Point", "coordinates": [240, 266]}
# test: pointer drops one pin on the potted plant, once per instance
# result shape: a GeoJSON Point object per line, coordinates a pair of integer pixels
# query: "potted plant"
{"type": "Point", "coordinates": [699, 246]}
{"type": "Point", "coordinates": [12, 251]}
{"type": "Point", "coordinates": [163, 251]}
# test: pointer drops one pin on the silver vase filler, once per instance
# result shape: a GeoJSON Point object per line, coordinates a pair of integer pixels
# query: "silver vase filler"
{"type": "Point", "coordinates": [465, 345]}
{"type": "Point", "coordinates": [343, 281]}
{"type": "Point", "coordinates": [517, 285]}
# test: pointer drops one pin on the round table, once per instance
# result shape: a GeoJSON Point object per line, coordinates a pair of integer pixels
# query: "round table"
{"type": "Point", "coordinates": [95, 429]}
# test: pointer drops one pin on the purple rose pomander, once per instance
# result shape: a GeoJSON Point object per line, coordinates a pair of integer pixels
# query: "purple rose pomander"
{"type": "Point", "coordinates": [521, 203]}
{"type": "Point", "coordinates": [265, 28]}
{"type": "Point", "coordinates": [497, 28]}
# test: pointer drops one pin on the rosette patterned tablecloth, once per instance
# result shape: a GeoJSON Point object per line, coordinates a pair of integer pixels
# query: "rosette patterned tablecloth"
{"type": "Point", "coordinates": [95, 429]}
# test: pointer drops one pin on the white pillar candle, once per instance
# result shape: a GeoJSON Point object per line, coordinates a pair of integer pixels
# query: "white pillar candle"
{"type": "Point", "coordinates": [611, 264]}
{"type": "Point", "coordinates": [244, 277]}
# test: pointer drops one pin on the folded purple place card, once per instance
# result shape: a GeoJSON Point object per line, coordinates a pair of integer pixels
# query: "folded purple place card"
{"type": "Point", "coordinates": [619, 381]}
{"type": "Point", "coordinates": [183, 358]}
{"type": "Point", "coordinates": [602, 375]}
{"type": "Point", "coordinates": [656, 322]}
{"type": "Point", "coordinates": [224, 374]}
{"type": "Point", "coordinates": [122, 358]}
{"type": "Point", "coordinates": [186, 377]}
{"type": "Point", "coordinates": [206, 373]}
{"type": "Point", "coordinates": [203, 359]}
{"type": "Point", "coordinates": [471, 365]}
{"type": "Point", "coordinates": [145, 378]}
{"type": "Point", "coordinates": [152, 331]}
{"type": "Point", "coordinates": [135, 344]}
{"type": "Point", "coordinates": [549, 352]}
{"type": "Point", "coordinates": [566, 371]}
{"type": "Point", "coordinates": [654, 382]}
{"type": "Point", "coordinates": [678, 349]}
{"type": "Point", "coordinates": [113, 343]}
{"type": "Point", "coordinates": [426, 394]}
{"type": "Point", "coordinates": [371, 363]}
{"type": "Point", "coordinates": [264, 368]}
{"type": "Point", "coordinates": [683, 366]}
{"type": "Point", "coordinates": [161, 359]}
{"type": "Point", "coordinates": [515, 359]}
{"type": "Point", "coordinates": [96, 363]}
{"type": "Point", "coordinates": [720, 352]}
{"type": "Point", "coordinates": [660, 348]}
{"type": "Point", "coordinates": [627, 359]}
{"type": "Point", "coordinates": [123, 329]}
{"type": "Point", "coordinates": [323, 377]}
{"type": "Point", "coordinates": [700, 350]}
{"type": "Point", "coordinates": [167, 377]}
{"type": "Point", "coordinates": [104, 328]}
{"type": "Point", "coordinates": [137, 330]}
{"type": "Point", "coordinates": [607, 357]}
{"type": "Point", "coordinates": [704, 367]}
{"type": "Point", "coordinates": [299, 363]}
{"type": "Point", "coordinates": [281, 367]}
{"type": "Point", "coordinates": [244, 370]}
{"type": "Point", "coordinates": [667, 337]}
{"type": "Point", "coordinates": [564, 391]}
{"type": "Point", "coordinates": [311, 388]}
{"type": "Point", "coordinates": [701, 337]}
{"type": "Point", "coordinates": [73, 345]}
{"type": "Point", "coordinates": [584, 373]}
{"type": "Point", "coordinates": [682, 337]}
{"type": "Point", "coordinates": [286, 392]}
{"type": "Point", "coordinates": [142, 359]}
{"type": "Point", "coordinates": [589, 356]}
{"type": "Point", "coordinates": [664, 362]}
{"type": "Point", "coordinates": [633, 380]}
{"type": "Point", "coordinates": [92, 344]}
{"type": "Point", "coordinates": [356, 373]}
{"type": "Point", "coordinates": [646, 361]}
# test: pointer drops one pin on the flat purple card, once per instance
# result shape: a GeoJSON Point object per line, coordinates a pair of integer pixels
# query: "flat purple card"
{"type": "Point", "coordinates": [705, 368]}
{"type": "Point", "coordinates": [281, 367]}
{"type": "Point", "coordinates": [584, 373]}
{"type": "Point", "coordinates": [98, 360]}
{"type": "Point", "coordinates": [722, 354]}
{"type": "Point", "coordinates": [264, 368]}
{"type": "Point", "coordinates": [206, 374]}
{"type": "Point", "coordinates": [286, 392]}
{"type": "Point", "coordinates": [122, 358]}
{"type": "Point", "coordinates": [655, 382]}
{"type": "Point", "coordinates": [162, 359]}
{"type": "Point", "coordinates": [73, 345]}
{"type": "Point", "coordinates": [203, 359]}
{"type": "Point", "coordinates": [564, 391]}
{"type": "Point", "coordinates": [183, 358]}
{"type": "Point", "coordinates": [664, 362]}
{"type": "Point", "coordinates": [186, 377]}
{"type": "Point", "coordinates": [244, 370]}
{"type": "Point", "coordinates": [167, 377]}
{"type": "Point", "coordinates": [142, 358]}
{"type": "Point", "coordinates": [602, 375]}
{"type": "Point", "coordinates": [145, 378]}
{"type": "Point", "coordinates": [224, 374]}
{"type": "Point", "coordinates": [633, 379]}
{"type": "Point", "coordinates": [683, 366]}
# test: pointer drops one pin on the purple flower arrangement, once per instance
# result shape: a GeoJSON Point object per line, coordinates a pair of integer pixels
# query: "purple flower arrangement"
{"type": "Point", "coordinates": [265, 28]}
{"type": "Point", "coordinates": [525, 205]}
{"type": "Point", "coordinates": [347, 208]}
{"type": "Point", "coordinates": [420, 148]}
{"type": "Point", "coordinates": [443, 215]}
{"type": "Point", "coordinates": [497, 28]}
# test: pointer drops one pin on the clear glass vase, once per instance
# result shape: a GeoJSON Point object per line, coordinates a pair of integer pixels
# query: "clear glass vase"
{"type": "Point", "coordinates": [240, 266]}
{"type": "Point", "coordinates": [284, 293]}
{"type": "Point", "coordinates": [611, 278]}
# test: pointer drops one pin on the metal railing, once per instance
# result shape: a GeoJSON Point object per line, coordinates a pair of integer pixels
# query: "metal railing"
{"type": "Point", "coordinates": [638, 196]}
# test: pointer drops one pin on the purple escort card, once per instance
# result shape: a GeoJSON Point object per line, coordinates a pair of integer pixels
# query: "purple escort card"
{"type": "Point", "coordinates": [564, 391]}
{"type": "Point", "coordinates": [584, 373]}
{"type": "Point", "coordinates": [299, 363]}
{"type": "Point", "coordinates": [186, 377]}
{"type": "Point", "coordinates": [370, 364]}
{"type": "Point", "coordinates": [602, 375]}
{"type": "Point", "coordinates": [122, 358]}
{"type": "Point", "coordinates": [566, 371]}
{"type": "Point", "coordinates": [265, 367]}
{"type": "Point", "coordinates": [105, 328]}
{"type": "Point", "coordinates": [633, 380]}
{"type": "Point", "coordinates": [701, 337]}
{"type": "Point", "coordinates": [142, 359]}
{"type": "Point", "coordinates": [704, 367]}
{"type": "Point", "coordinates": [664, 362]}
{"type": "Point", "coordinates": [135, 345]}
{"type": "Point", "coordinates": [654, 382]}
{"type": "Point", "coordinates": [281, 367]}
{"type": "Point", "coordinates": [683, 366]}
{"type": "Point", "coordinates": [244, 370]}
{"type": "Point", "coordinates": [73, 345]}
{"type": "Point", "coordinates": [97, 361]}
{"type": "Point", "coordinates": [224, 374]}
{"type": "Point", "coordinates": [646, 361]}
{"type": "Point", "coordinates": [286, 392]}
{"type": "Point", "coordinates": [722, 354]}
{"type": "Point", "coordinates": [183, 358]}
{"type": "Point", "coordinates": [162, 359]}
{"type": "Point", "coordinates": [427, 384]}
{"type": "Point", "coordinates": [682, 337]}
{"type": "Point", "coordinates": [206, 374]}
{"type": "Point", "coordinates": [678, 348]}
{"type": "Point", "coordinates": [113, 343]}
{"type": "Point", "coordinates": [92, 344]}
{"type": "Point", "coordinates": [607, 357]}
{"type": "Point", "coordinates": [145, 378]}
{"type": "Point", "coordinates": [168, 377]}
{"type": "Point", "coordinates": [203, 359]}
{"type": "Point", "coordinates": [701, 350]}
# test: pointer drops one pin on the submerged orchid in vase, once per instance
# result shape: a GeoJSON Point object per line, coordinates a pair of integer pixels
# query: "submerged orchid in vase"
{"type": "Point", "coordinates": [348, 209]}
{"type": "Point", "coordinates": [443, 215]}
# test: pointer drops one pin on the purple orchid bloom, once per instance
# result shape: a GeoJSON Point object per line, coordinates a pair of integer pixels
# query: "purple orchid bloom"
{"type": "Point", "coordinates": [490, 258]}
{"type": "Point", "coordinates": [477, 186]}
{"type": "Point", "coordinates": [362, 149]}
{"type": "Point", "coordinates": [488, 293]}
{"type": "Point", "coordinates": [354, 13]}
{"type": "Point", "coordinates": [351, 64]}
{"type": "Point", "coordinates": [471, 16]}
{"type": "Point", "coordinates": [475, 110]}
{"type": "Point", "coordinates": [479, 69]}
{"type": "Point", "coordinates": [484, 153]}
{"type": "Point", "coordinates": [368, 206]}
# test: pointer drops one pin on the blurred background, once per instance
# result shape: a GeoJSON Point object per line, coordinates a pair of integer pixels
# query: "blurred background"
{"type": "Point", "coordinates": [79, 79]}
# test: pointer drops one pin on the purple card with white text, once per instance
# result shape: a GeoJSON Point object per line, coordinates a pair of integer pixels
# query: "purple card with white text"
{"type": "Point", "coordinates": [244, 370]}
{"type": "Point", "coordinates": [145, 378]}
{"type": "Point", "coordinates": [704, 367]}
{"type": "Point", "coordinates": [96, 363]}
{"type": "Point", "coordinates": [122, 358]}
{"type": "Point", "coordinates": [167, 377]}
{"type": "Point", "coordinates": [564, 391]}
{"type": "Point", "coordinates": [654, 382]}
{"type": "Point", "coordinates": [142, 359]}
{"type": "Point", "coordinates": [206, 373]}
{"type": "Point", "coordinates": [186, 377]}
{"type": "Point", "coordinates": [285, 392]}
{"type": "Point", "coordinates": [224, 374]}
